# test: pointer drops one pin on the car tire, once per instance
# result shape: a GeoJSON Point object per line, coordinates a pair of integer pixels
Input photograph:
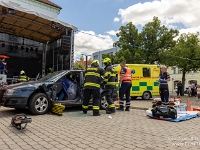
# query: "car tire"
{"type": "Point", "coordinates": [146, 95]}
{"type": "Point", "coordinates": [133, 97]}
{"type": "Point", "coordinates": [39, 104]}
{"type": "Point", "coordinates": [103, 102]}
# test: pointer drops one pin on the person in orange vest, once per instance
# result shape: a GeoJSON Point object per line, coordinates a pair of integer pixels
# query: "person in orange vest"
{"type": "Point", "coordinates": [125, 80]}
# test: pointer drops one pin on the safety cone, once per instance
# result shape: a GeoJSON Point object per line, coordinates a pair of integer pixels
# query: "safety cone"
{"type": "Point", "coordinates": [189, 105]}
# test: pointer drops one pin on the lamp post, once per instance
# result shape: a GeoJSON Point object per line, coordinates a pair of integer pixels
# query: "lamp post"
{"type": "Point", "coordinates": [86, 56]}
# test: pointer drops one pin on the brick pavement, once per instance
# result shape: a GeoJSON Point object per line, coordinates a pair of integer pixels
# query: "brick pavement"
{"type": "Point", "coordinates": [146, 104]}
{"type": "Point", "coordinates": [75, 131]}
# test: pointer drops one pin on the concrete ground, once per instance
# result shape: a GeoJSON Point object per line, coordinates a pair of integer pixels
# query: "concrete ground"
{"type": "Point", "coordinates": [146, 104]}
{"type": "Point", "coordinates": [126, 130]}
{"type": "Point", "coordinates": [76, 131]}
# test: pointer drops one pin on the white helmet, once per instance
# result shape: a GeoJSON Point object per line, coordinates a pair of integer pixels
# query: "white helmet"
{"type": "Point", "coordinates": [22, 72]}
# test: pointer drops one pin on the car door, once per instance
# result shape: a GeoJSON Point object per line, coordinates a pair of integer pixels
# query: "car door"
{"type": "Point", "coordinates": [81, 85]}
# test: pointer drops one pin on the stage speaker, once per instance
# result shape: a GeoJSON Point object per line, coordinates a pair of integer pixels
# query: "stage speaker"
{"type": "Point", "coordinates": [65, 45]}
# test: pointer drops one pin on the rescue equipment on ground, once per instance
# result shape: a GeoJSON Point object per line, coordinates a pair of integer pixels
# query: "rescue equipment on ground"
{"type": "Point", "coordinates": [164, 111]}
{"type": "Point", "coordinates": [58, 109]}
{"type": "Point", "coordinates": [20, 119]}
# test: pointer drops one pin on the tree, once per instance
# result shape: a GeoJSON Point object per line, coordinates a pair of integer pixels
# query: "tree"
{"type": "Point", "coordinates": [78, 66]}
{"type": "Point", "coordinates": [128, 37]}
{"type": "Point", "coordinates": [145, 47]}
{"type": "Point", "coordinates": [155, 37]}
{"type": "Point", "coordinates": [185, 55]}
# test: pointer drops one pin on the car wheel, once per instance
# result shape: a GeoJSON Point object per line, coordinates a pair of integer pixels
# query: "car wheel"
{"type": "Point", "coordinates": [146, 95]}
{"type": "Point", "coordinates": [133, 97]}
{"type": "Point", "coordinates": [103, 102]}
{"type": "Point", "coordinates": [39, 104]}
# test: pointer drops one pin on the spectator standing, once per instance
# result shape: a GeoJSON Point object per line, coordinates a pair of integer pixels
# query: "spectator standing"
{"type": "Point", "coordinates": [5, 66]}
{"type": "Point", "coordinates": [179, 91]}
{"type": "Point", "coordinates": [1, 67]}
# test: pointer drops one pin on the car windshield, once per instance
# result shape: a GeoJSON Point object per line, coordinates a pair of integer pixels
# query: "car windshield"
{"type": "Point", "coordinates": [52, 76]}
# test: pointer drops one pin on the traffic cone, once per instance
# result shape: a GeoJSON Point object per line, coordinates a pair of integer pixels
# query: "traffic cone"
{"type": "Point", "coordinates": [189, 105]}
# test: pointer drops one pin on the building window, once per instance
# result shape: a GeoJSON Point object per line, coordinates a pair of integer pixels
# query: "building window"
{"type": "Point", "coordinates": [174, 70]}
{"type": "Point", "coordinates": [146, 72]}
{"type": "Point", "coordinates": [96, 57]}
{"type": "Point", "coordinates": [179, 70]}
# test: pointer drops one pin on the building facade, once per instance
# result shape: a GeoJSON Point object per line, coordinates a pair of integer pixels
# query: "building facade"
{"type": "Point", "coordinates": [176, 76]}
{"type": "Point", "coordinates": [99, 55]}
{"type": "Point", "coordinates": [42, 6]}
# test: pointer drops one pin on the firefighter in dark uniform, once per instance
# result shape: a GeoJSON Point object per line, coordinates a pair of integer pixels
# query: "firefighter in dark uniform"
{"type": "Point", "coordinates": [23, 77]}
{"type": "Point", "coordinates": [110, 84]}
{"type": "Point", "coordinates": [92, 87]}
{"type": "Point", "coordinates": [125, 80]}
{"type": "Point", "coordinates": [163, 79]}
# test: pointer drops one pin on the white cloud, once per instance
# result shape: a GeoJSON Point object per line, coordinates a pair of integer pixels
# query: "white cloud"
{"type": "Point", "coordinates": [190, 30]}
{"type": "Point", "coordinates": [87, 42]}
{"type": "Point", "coordinates": [112, 32]}
{"type": "Point", "coordinates": [169, 12]}
{"type": "Point", "coordinates": [116, 19]}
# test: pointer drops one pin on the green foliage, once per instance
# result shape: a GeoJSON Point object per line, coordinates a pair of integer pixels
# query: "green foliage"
{"type": "Point", "coordinates": [78, 66]}
{"type": "Point", "coordinates": [185, 55]}
{"type": "Point", "coordinates": [145, 47]}
{"type": "Point", "coordinates": [128, 37]}
{"type": "Point", "coordinates": [154, 38]}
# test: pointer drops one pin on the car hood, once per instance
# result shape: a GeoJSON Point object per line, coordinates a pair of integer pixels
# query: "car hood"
{"type": "Point", "coordinates": [28, 85]}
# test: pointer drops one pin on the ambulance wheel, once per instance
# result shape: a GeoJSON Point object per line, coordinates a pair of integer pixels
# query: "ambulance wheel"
{"type": "Point", "coordinates": [133, 97]}
{"type": "Point", "coordinates": [146, 95]}
{"type": "Point", "coordinates": [39, 104]}
{"type": "Point", "coordinates": [173, 113]}
{"type": "Point", "coordinates": [103, 102]}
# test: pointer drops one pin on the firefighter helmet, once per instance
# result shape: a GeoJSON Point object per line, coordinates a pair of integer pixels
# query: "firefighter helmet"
{"type": "Point", "coordinates": [106, 60]}
{"type": "Point", "coordinates": [95, 61]}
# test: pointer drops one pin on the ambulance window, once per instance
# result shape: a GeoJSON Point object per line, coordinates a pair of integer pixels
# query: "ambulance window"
{"type": "Point", "coordinates": [146, 72]}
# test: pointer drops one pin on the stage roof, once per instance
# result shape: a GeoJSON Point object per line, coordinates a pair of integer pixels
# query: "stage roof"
{"type": "Point", "coordinates": [31, 24]}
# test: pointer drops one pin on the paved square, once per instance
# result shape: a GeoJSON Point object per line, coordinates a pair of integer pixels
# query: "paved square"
{"type": "Point", "coordinates": [126, 130]}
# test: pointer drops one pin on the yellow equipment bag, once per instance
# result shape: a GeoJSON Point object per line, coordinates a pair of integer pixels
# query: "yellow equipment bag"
{"type": "Point", "coordinates": [58, 109]}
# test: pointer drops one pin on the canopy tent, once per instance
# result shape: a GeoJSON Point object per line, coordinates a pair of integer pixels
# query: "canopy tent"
{"type": "Point", "coordinates": [31, 24]}
{"type": "Point", "coordinates": [22, 22]}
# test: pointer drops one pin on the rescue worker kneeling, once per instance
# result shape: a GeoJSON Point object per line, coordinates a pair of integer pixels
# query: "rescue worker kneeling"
{"type": "Point", "coordinates": [110, 84]}
{"type": "Point", "coordinates": [23, 77]}
{"type": "Point", "coordinates": [92, 87]}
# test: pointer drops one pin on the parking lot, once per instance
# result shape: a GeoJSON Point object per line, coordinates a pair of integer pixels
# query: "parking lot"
{"type": "Point", "coordinates": [126, 130]}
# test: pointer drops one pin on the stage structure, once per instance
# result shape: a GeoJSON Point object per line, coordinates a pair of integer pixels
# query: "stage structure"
{"type": "Point", "coordinates": [27, 35]}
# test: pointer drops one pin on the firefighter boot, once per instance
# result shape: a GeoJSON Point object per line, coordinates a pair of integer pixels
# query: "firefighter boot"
{"type": "Point", "coordinates": [110, 110]}
{"type": "Point", "coordinates": [96, 113]}
{"type": "Point", "coordinates": [85, 111]}
{"type": "Point", "coordinates": [127, 109]}
{"type": "Point", "coordinates": [121, 108]}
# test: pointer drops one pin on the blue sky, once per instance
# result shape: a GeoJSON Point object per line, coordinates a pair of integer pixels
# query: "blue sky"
{"type": "Point", "coordinates": [95, 15]}
{"type": "Point", "coordinates": [103, 18]}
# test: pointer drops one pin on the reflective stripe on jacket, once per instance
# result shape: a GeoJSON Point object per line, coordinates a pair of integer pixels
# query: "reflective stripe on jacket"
{"type": "Point", "coordinates": [93, 77]}
{"type": "Point", "coordinates": [126, 77]}
{"type": "Point", "coordinates": [110, 76]}
{"type": "Point", "coordinates": [23, 78]}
